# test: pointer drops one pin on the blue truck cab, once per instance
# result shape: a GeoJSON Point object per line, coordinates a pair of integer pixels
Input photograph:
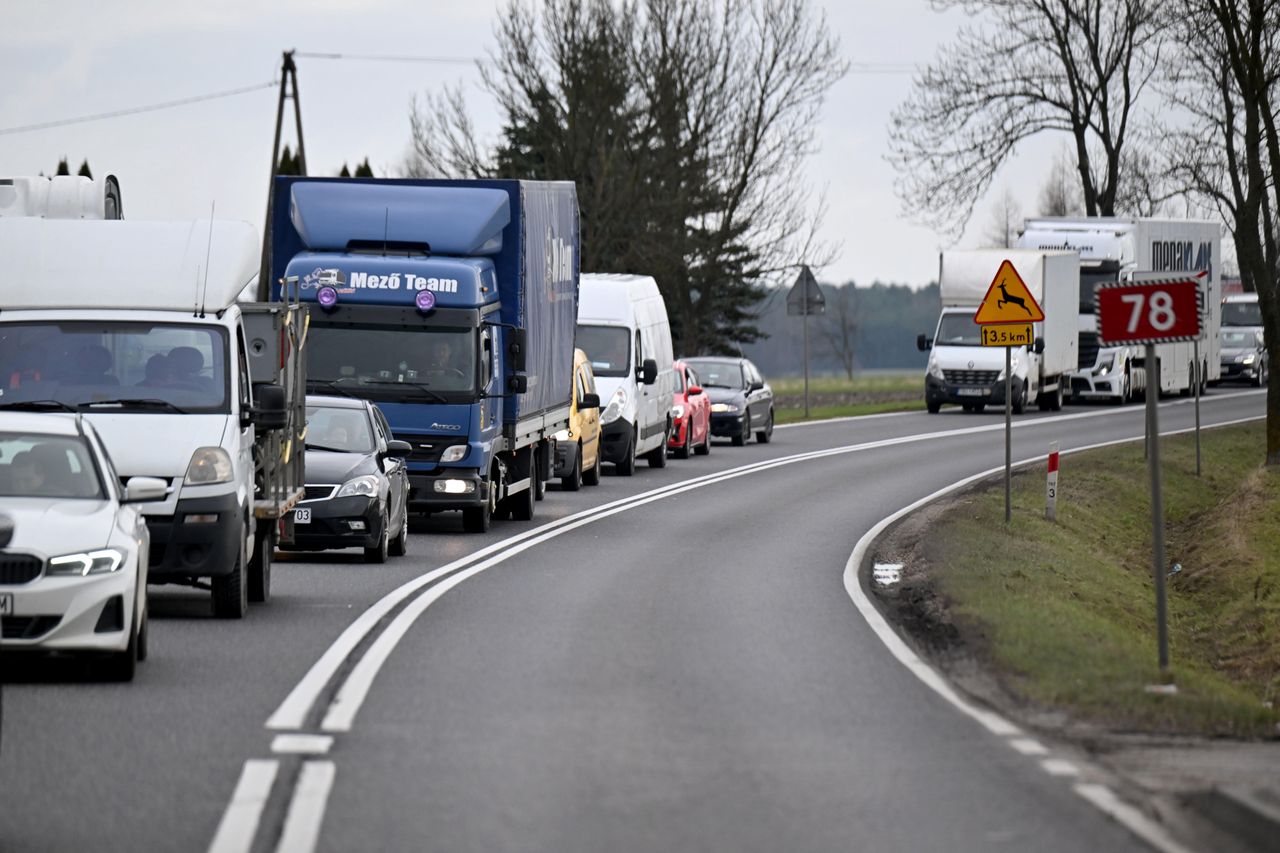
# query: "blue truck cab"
{"type": "Point", "coordinates": [452, 306]}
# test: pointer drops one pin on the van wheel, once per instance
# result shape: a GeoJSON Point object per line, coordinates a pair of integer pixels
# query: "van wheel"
{"type": "Point", "coordinates": [476, 519]}
{"type": "Point", "coordinates": [260, 566]}
{"type": "Point", "coordinates": [658, 456]}
{"type": "Point", "coordinates": [1020, 402]}
{"type": "Point", "coordinates": [766, 434]}
{"type": "Point", "coordinates": [572, 482]}
{"type": "Point", "coordinates": [932, 407]}
{"type": "Point", "coordinates": [592, 476]}
{"type": "Point", "coordinates": [627, 466]}
{"type": "Point", "coordinates": [230, 591]}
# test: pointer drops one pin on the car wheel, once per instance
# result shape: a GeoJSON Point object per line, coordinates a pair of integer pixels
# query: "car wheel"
{"type": "Point", "coordinates": [260, 565]}
{"type": "Point", "coordinates": [1261, 378]}
{"type": "Point", "coordinates": [378, 553]}
{"type": "Point", "coordinates": [230, 592]}
{"type": "Point", "coordinates": [592, 476]}
{"type": "Point", "coordinates": [682, 452]}
{"type": "Point", "coordinates": [400, 545]}
{"type": "Point", "coordinates": [745, 433]}
{"type": "Point", "coordinates": [627, 466]}
{"type": "Point", "coordinates": [572, 482]}
{"type": "Point", "coordinates": [704, 448]}
{"type": "Point", "coordinates": [476, 519]}
{"type": "Point", "coordinates": [144, 635]}
{"type": "Point", "coordinates": [766, 434]}
{"type": "Point", "coordinates": [121, 666]}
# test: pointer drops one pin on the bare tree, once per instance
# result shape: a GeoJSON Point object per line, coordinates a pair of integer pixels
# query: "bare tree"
{"type": "Point", "coordinates": [1073, 66]}
{"type": "Point", "coordinates": [1060, 193]}
{"type": "Point", "coordinates": [839, 326]}
{"type": "Point", "coordinates": [1006, 221]}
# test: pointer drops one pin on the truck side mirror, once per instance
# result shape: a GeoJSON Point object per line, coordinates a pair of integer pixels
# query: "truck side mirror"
{"type": "Point", "coordinates": [271, 412]}
{"type": "Point", "coordinates": [923, 343]}
{"type": "Point", "coordinates": [517, 383]}
{"type": "Point", "coordinates": [589, 401]}
{"type": "Point", "coordinates": [649, 371]}
{"type": "Point", "coordinates": [516, 350]}
{"type": "Point", "coordinates": [1038, 346]}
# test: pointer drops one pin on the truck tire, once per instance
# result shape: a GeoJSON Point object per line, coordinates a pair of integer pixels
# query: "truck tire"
{"type": "Point", "coordinates": [379, 553]}
{"type": "Point", "coordinates": [766, 434]}
{"type": "Point", "coordinates": [627, 465]}
{"type": "Point", "coordinates": [539, 484]}
{"type": "Point", "coordinates": [264, 547]}
{"type": "Point", "coordinates": [572, 481]}
{"type": "Point", "coordinates": [521, 505]}
{"type": "Point", "coordinates": [231, 591]}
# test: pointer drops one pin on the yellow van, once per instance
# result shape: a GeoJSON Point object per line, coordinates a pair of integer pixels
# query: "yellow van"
{"type": "Point", "coordinates": [578, 447]}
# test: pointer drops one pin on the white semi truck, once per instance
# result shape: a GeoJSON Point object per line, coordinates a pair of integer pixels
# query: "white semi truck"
{"type": "Point", "coordinates": [1113, 249]}
{"type": "Point", "coordinates": [963, 372]}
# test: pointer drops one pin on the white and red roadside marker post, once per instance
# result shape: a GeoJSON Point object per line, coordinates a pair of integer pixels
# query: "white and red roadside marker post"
{"type": "Point", "coordinates": [1051, 487]}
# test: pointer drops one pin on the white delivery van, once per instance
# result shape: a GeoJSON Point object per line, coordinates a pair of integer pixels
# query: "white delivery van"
{"type": "Point", "coordinates": [136, 326]}
{"type": "Point", "coordinates": [622, 327]}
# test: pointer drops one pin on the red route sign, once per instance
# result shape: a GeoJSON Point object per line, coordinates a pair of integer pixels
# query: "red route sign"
{"type": "Point", "coordinates": [1154, 312]}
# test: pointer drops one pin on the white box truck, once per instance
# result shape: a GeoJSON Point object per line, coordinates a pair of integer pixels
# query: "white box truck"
{"type": "Point", "coordinates": [1113, 249]}
{"type": "Point", "coordinates": [963, 372]}
{"type": "Point", "coordinates": [137, 326]}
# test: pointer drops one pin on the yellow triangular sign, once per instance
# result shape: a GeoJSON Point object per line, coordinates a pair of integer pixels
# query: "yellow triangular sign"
{"type": "Point", "coordinates": [1008, 300]}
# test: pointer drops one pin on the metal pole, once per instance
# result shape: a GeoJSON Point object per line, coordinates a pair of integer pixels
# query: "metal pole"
{"type": "Point", "coordinates": [1051, 484]}
{"type": "Point", "coordinates": [806, 350]}
{"type": "Point", "coordinates": [264, 269]}
{"type": "Point", "coordinates": [1008, 434]}
{"type": "Point", "coordinates": [1157, 516]}
{"type": "Point", "coordinates": [297, 114]}
{"type": "Point", "coordinates": [1197, 377]}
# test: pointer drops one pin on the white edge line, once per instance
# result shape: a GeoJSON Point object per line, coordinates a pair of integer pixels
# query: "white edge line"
{"type": "Point", "coordinates": [306, 808]}
{"type": "Point", "coordinates": [239, 822]}
{"type": "Point", "coordinates": [1104, 799]}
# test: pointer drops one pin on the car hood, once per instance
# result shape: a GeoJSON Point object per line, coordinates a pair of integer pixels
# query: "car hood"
{"type": "Point", "coordinates": [723, 395]}
{"type": "Point", "coordinates": [323, 466]}
{"type": "Point", "coordinates": [156, 445]}
{"type": "Point", "coordinates": [1232, 352]}
{"type": "Point", "coordinates": [53, 526]}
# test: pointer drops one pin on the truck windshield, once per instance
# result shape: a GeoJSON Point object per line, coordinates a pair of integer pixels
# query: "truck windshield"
{"type": "Point", "coordinates": [47, 466]}
{"type": "Point", "coordinates": [1089, 280]}
{"type": "Point", "coordinates": [608, 348]}
{"type": "Point", "coordinates": [1241, 314]}
{"type": "Point", "coordinates": [153, 368]}
{"type": "Point", "coordinates": [958, 330]}
{"type": "Point", "coordinates": [388, 363]}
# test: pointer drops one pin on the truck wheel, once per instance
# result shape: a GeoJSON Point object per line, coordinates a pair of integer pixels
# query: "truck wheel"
{"type": "Point", "coordinates": [521, 505]}
{"type": "Point", "coordinates": [592, 477]}
{"type": "Point", "coordinates": [627, 465]}
{"type": "Point", "coordinates": [475, 519]}
{"type": "Point", "coordinates": [572, 481]}
{"type": "Point", "coordinates": [230, 591]}
{"type": "Point", "coordinates": [539, 484]}
{"type": "Point", "coordinates": [400, 545]}
{"type": "Point", "coordinates": [932, 407]}
{"type": "Point", "coordinates": [260, 565]}
{"type": "Point", "coordinates": [765, 435]}
{"type": "Point", "coordinates": [378, 553]}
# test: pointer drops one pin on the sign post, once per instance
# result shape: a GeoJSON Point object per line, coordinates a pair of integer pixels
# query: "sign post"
{"type": "Point", "coordinates": [1006, 316]}
{"type": "Point", "coordinates": [1150, 313]}
{"type": "Point", "coordinates": [805, 298]}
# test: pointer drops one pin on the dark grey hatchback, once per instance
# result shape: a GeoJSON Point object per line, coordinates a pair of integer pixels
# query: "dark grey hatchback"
{"type": "Point", "coordinates": [741, 401]}
{"type": "Point", "coordinates": [357, 483]}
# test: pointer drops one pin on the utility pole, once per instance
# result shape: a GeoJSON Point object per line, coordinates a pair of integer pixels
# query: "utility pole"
{"type": "Point", "coordinates": [288, 82]}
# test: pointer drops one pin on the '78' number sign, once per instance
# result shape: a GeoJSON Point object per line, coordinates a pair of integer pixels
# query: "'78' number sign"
{"type": "Point", "coordinates": [1149, 313]}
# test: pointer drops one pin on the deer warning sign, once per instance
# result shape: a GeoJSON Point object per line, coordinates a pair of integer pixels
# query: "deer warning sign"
{"type": "Point", "coordinates": [1008, 300]}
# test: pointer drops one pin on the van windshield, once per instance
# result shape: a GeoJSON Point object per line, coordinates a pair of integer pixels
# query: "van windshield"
{"type": "Point", "coordinates": [958, 330]}
{"type": "Point", "coordinates": [137, 367]}
{"type": "Point", "coordinates": [608, 348]}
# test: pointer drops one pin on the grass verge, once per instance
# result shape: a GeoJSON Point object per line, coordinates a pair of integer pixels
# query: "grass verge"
{"type": "Point", "coordinates": [1065, 612]}
{"type": "Point", "coordinates": [839, 397]}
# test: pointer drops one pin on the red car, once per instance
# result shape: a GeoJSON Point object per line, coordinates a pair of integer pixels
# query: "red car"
{"type": "Point", "coordinates": [690, 415]}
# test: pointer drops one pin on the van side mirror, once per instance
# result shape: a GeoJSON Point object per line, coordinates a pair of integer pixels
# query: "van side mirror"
{"type": "Point", "coordinates": [1038, 346]}
{"type": "Point", "coordinates": [589, 401]}
{"type": "Point", "coordinates": [517, 383]}
{"type": "Point", "coordinates": [517, 341]}
{"type": "Point", "coordinates": [649, 371]}
{"type": "Point", "coordinates": [923, 343]}
{"type": "Point", "coordinates": [144, 489]}
{"type": "Point", "coordinates": [694, 390]}
{"type": "Point", "coordinates": [271, 411]}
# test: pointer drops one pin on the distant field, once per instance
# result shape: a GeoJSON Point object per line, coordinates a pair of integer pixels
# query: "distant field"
{"type": "Point", "coordinates": [837, 396]}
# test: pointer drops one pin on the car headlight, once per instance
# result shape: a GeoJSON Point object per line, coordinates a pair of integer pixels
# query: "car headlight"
{"type": "Point", "coordinates": [935, 370]}
{"type": "Point", "coordinates": [677, 411]}
{"type": "Point", "coordinates": [1249, 359]}
{"type": "Point", "coordinates": [453, 453]}
{"type": "Point", "coordinates": [366, 486]}
{"type": "Point", "coordinates": [723, 407]}
{"type": "Point", "coordinates": [209, 465]}
{"type": "Point", "coordinates": [101, 562]}
{"type": "Point", "coordinates": [617, 403]}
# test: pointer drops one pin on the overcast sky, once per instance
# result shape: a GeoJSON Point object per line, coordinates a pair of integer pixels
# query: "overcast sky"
{"type": "Point", "coordinates": [70, 59]}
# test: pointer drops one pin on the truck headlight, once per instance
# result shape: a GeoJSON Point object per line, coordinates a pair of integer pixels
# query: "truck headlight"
{"type": "Point", "coordinates": [366, 486]}
{"type": "Point", "coordinates": [88, 563]}
{"type": "Point", "coordinates": [454, 453]}
{"type": "Point", "coordinates": [209, 465]}
{"type": "Point", "coordinates": [1107, 368]}
{"type": "Point", "coordinates": [617, 403]}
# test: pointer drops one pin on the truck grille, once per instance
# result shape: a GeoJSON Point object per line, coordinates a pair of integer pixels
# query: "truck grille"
{"type": "Point", "coordinates": [971, 377]}
{"type": "Point", "coordinates": [1088, 349]}
{"type": "Point", "coordinates": [28, 627]}
{"type": "Point", "coordinates": [19, 568]}
{"type": "Point", "coordinates": [426, 448]}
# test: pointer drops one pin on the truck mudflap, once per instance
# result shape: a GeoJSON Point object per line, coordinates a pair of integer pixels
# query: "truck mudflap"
{"type": "Point", "coordinates": [201, 539]}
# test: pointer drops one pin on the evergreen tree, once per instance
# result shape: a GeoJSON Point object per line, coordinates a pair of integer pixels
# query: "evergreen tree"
{"type": "Point", "coordinates": [289, 164]}
{"type": "Point", "coordinates": [63, 168]}
{"type": "Point", "coordinates": [364, 170]}
{"type": "Point", "coordinates": [84, 170]}
{"type": "Point", "coordinates": [345, 173]}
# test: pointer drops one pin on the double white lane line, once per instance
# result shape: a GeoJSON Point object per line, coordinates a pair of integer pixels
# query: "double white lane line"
{"type": "Point", "coordinates": [239, 824]}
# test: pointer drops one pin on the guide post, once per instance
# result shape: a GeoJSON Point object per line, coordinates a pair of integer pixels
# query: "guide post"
{"type": "Point", "coordinates": [805, 298]}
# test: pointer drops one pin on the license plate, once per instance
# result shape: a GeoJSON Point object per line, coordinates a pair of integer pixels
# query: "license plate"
{"type": "Point", "coordinates": [971, 392]}
{"type": "Point", "coordinates": [302, 515]}
{"type": "Point", "coordinates": [6, 604]}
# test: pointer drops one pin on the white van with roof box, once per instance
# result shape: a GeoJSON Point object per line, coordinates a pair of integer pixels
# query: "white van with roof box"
{"type": "Point", "coordinates": [622, 327]}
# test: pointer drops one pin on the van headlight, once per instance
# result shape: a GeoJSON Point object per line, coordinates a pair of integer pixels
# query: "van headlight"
{"type": "Point", "coordinates": [366, 486]}
{"type": "Point", "coordinates": [209, 465]}
{"type": "Point", "coordinates": [935, 370]}
{"type": "Point", "coordinates": [87, 563]}
{"type": "Point", "coordinates": [617, 403]}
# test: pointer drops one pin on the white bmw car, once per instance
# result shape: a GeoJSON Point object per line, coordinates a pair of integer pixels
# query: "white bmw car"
{"type": "Point", "coordinates": [73, 578]}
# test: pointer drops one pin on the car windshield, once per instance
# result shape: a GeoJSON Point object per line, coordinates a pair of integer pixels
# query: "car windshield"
{"type": "Point", "coordinates": [47, 466]}
{"type": "Point", "coordinates": [150, 367]}
{"type": "Point", "coordinates": [607, 347]}
{"type": "Point", "coordinates": [344, 429]}
{"type": "Point", "coordinates": [1238, 339]}
{"type": "Point", "coordinates": [721, 374]}
{"type": "Point", "coordinates": [392, 363]}
{"type": "Point", "coordinates": [1241, 314]}
{"type": "Point", "coordinates": [958, 330]}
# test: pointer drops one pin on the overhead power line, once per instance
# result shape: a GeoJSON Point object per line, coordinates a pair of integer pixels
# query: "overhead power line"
{"type": "Point", "coordinates": [388, 57]}
{"type": "Point", "coordinates": [149, 108]}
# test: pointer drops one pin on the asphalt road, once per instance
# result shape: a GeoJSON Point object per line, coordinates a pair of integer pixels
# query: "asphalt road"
{"type": "Point", "coordinates": [685, 672]}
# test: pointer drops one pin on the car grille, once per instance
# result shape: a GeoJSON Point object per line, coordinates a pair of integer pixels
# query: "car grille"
{"type": "Point", "coordinates": [1088, 349]}
{"type": "Point", "coordinates": [19, 568]}
{"type": "Point", "coordinates": [971, 377]}
{"type": "Point", "coordinates": [426, 448]}
{"type": "Point", "coordinates": [318, 492]}
{"type": "Point", "coordinates": [27, 627]}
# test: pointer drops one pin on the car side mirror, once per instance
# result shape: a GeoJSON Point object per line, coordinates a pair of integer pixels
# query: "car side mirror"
{"type": "Point", "coordinates": [694, 390]}
{"type": "Point", "coordinates": [755, 386]}
{"type": "Point", "coordinates": [923, 343]}
{"type": "Point", "coordinates": [1038, 346]}
{"type": "Point", "coordinates": [6, 531]}
{"type": "Point", "coordinates": [649, 371]}
{"type": "Point", "coordinates": [397, 449]}
{"type": "Point", "coordinates": [589, 401]}
{"type": "Point", "coordinates": [517, 383]}
{"type": "Point", "coordinates": [271, 411]}
{"type": "Point", "coordinates": [144, 489]}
